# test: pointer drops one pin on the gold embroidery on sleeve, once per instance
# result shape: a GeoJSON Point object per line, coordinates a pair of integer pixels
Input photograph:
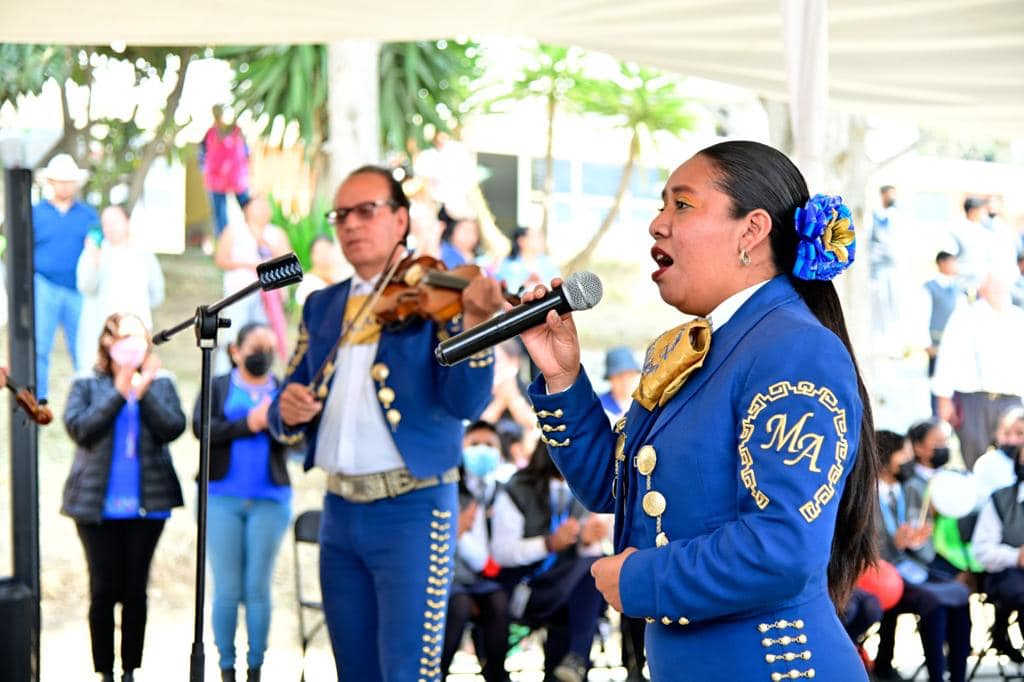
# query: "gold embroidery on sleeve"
{"type": "Point", "coordinates": [793, 440]}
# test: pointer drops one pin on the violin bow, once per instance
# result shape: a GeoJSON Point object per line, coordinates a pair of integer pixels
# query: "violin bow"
{"type": "Point", "coordinates": [327, 368]}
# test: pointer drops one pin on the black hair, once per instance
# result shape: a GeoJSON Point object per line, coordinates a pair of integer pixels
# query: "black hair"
{"type": "Point", "coordinates": [920, 430]}
{"type": "Point", "coordinates": [395, 191]}
{"type": "Point", "coordinates": [943, 256]}
{"type": "Point", "coordinates": [887, 444]}
{"type": "Point", "coordinates": [971, 203]}
{"type": "Point", "coordinates": [517, 234]}
{"type": "Point", "coordinates": [757, 176]}
{"type": "Point", "coordinates": [449, 230]}
{"type": "Point", "coordinates": [482, 425]}
{"type": "Point", "coordinates": [541, 470]}
{"type": "Point", "coordinates": [243, 334]}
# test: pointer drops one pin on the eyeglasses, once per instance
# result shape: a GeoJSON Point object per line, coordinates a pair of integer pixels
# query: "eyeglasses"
{"type": "Point", "coordinates": [364, 211]}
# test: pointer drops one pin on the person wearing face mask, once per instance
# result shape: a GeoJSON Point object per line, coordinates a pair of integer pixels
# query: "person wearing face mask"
{"type": "Point", "coordinates": [997, 468]}
{"type": "Point", "coordinates": [474, 588]}
{"type": "Point", "coordinates": [929, 445]}
{"type": "Point", "coordinates": [250, 497]}
{"type": "Point", "coordinates": [906, 544]}
{"type": "Point", "coordinates": [122, 485]}
{"type": "Point", "coordinates": [998, 543]}
{"type": "Point", "coordinates": [546, 543]}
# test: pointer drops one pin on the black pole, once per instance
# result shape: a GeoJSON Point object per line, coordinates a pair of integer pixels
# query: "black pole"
{"type": "Point", "coordinates": [272, 274]}
{"type": "Point", "coordinates": [24, 432]}
{"type": "Point", "coordinates": [206, 325]}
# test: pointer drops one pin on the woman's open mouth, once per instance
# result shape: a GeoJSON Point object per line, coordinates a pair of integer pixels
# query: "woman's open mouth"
{"type": "Point", "coordinates": [663, 261]}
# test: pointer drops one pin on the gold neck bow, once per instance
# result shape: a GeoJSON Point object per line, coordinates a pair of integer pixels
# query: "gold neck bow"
{"type": "Point", "coordinates": [670, 360]}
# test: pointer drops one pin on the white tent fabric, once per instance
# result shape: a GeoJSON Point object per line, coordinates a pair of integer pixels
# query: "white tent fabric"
{"type": "Point", "coordinates": [805, 32]}
{"type": "Point", "coordinates": [949, 63]}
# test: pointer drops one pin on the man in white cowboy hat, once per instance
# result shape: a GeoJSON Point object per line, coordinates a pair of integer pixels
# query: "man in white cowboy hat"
{"type": "Point", "coordinates": [61, 225]}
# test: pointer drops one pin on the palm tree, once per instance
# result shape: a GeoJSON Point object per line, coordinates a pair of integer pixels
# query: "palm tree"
{"type": "Point", "coordinates": [282, 80]}
{"type": "Point", "coordinates": [646, 102]}
{"type": "Point", "coordinates": [424, 82]}
{"type": "Point", "coordinates": [420, 82]}
{"type": "Point", "coordinates": [555, 75]}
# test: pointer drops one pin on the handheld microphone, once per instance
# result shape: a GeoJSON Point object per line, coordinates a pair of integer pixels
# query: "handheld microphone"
{"type": "Point", "coordinates": [579, 291]}
{"type": "Point", "coordinates": [279, 272]}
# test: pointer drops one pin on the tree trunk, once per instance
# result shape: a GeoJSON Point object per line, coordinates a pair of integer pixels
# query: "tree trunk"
{"type": "Point", "coordinates": [582, 259]}
{"type": "Point", "coordinates": [163, 136]}
{"type": "Point", "coordinates": [353, 102]}
{"type": "Point", "coordinates": [549, 166]}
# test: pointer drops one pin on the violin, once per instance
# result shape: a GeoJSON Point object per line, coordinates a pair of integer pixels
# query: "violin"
{"type": "Point", "coordinates": [422, 286]}
{"type": "Point", "coordinates": [40, 414]}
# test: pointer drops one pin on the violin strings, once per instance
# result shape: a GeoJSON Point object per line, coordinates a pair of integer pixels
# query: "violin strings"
{"type": "Point", "coordinates": [368, 305]}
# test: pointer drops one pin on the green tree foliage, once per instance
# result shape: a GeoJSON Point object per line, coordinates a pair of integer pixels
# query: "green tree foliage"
{"type": "Point", "coordinates": [115, 150]}
{"type": "Point", "coordinates": [645, 102]}
{"type": "Point", "coordinates": [282, 80]}
{"type": "Point", "coordinates": [424, 82]}
{"type": "Point", "coordinates": [420, 83]}
{"type": "Point", "coordinates": [302, 230]}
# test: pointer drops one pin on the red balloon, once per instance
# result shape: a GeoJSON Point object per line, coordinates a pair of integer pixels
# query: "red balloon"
{"type": "Point", "coordinates": [883, 581]}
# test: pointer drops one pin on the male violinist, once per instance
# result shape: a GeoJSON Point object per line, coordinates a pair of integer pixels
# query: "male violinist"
{"type": "Point", "coordinates": [384, 420]}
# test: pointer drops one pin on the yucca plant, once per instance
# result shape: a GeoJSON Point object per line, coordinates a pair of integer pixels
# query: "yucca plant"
{"type": "Point", "coordinates": [302, 229]}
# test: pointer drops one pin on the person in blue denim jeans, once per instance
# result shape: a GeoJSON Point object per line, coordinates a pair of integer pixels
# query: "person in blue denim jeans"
{"type": "Point", "coordinates": [60, 226]}
{"type": "Point", "coordinates": [250, 498]}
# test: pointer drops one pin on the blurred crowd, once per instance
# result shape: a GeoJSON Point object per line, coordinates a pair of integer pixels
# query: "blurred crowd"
{"type": "Point", "coordinates": [951, 504]}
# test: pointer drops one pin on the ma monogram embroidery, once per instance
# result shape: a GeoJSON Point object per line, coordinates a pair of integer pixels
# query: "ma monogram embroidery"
{"type": "Point", "coordinates": [791, 436]}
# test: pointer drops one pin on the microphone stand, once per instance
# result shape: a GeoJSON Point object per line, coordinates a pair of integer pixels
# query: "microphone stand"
{"type": "Point", "coordinates": [272, 274]}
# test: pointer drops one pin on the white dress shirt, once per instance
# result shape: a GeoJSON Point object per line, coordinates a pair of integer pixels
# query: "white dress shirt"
{"type": "Point", "coordinates": [987, 541]}
{"type": "Point", "coordinates": [510, 548]}
{"type": "Point", "coordinates": [472, 545]}
{"type": "Point", "coordinates": [992, 471]}
{"type": "Point", "coordinates": [354, 437]}
{"type": "Point", "coordinates": [724, 311]}
{"type": "Point", "coordinates": [981, 351]}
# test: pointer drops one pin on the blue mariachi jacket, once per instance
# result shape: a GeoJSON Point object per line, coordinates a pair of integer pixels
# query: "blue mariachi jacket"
{"type": "Point", "coordinates": [432, 400]}
{"type": "Point", "coordinates": [729, 492]}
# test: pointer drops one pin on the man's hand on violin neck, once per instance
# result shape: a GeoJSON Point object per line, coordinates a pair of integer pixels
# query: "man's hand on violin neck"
{"type": "Point", "coordinates": [298, 405]}
{"type": "Point", "coordinates": [481, 298]}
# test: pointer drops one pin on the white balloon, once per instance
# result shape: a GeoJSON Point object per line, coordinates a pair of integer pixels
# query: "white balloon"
{"type": "Point", "coordinates": [954, 493]}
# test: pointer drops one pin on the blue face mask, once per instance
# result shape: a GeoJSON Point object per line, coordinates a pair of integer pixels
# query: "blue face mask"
{"type": "Point", "coordinates": [480, 459]}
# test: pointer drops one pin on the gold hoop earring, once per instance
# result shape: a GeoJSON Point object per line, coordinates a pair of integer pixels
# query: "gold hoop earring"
{"type": "Point", "coordinates": [744, 257]}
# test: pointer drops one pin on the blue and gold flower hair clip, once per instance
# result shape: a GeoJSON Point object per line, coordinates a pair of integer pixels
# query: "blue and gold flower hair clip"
{"type": "Point", "coordinates": [828, 243]}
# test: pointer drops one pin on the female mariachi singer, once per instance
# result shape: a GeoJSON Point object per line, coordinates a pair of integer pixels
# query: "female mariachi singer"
{"type": "Point", "coordinates": [741, 478]}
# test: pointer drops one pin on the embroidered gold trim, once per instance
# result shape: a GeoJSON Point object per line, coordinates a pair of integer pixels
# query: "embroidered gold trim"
{"type": "Point", "coordinates": [434, 615]}
{"type": "Point", "coordinates": [781, 624]}
{"type": "Point", "coordinates": [789, 656]}
{"type": "Point", "coordinates": [785, 640]}
{"type": "Point", "coordinates": [793, 674]}
{"type": "Point", "coordinates": [301, 346]}
{"type": "Point", "coordinates": [811, 509]}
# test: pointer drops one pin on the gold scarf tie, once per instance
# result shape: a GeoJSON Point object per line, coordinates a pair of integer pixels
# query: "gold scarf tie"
{"type": "Point", "coordinates": [670, 360]}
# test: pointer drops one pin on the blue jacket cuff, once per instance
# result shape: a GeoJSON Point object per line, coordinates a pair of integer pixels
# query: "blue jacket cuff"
{"type": "Point", "coordinates": [637, 585]}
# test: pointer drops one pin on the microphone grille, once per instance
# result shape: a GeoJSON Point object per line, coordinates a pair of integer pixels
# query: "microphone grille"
{"type": "Point", "coordinates": [583, 290]}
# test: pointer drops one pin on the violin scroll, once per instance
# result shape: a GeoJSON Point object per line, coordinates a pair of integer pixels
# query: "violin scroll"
{"type": "Point", "coordinates": [36, 411]}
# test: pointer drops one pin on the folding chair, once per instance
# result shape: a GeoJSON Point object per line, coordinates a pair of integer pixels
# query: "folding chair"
{"type": "Point", "coordinates": [987, 650]}
{"type": "Point", "coordinates": [307, 531]}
